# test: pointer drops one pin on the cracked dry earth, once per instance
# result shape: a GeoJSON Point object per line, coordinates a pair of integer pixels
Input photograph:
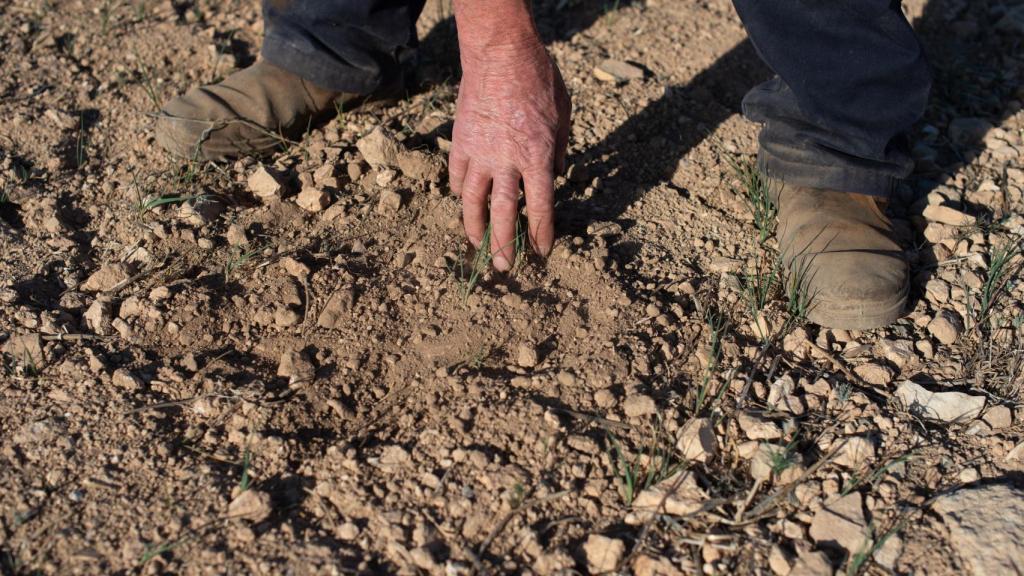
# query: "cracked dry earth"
{"type": "Point", "coordinates": [295, 366]}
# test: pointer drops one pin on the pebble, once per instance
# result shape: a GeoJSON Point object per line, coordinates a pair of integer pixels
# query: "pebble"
{"type": "Point", "coordinates": [603, 554]}
{"type": "Point", "coordinates": [313, 199]}
{"type": "Point", "coordinates": [841, 524]}
{"type": "Point", "coordinates": [617, 71]}
{"type": "Point", "coordinates": [252, 505]}
{"type": "Point", "coordinates": [946, 327]}
{"type": "Point", "coordinates": [812, 564]}
{"type": "Point", "coordinates": [26, 349]}
{"type": "Point", "coordinates": [855, 451]}
{"type": "Point", "coordinates": [947, 215]}
{"type": "Point", "coordinates": [264, 185]}
{"type": "Point", "coordinates": [677, 495]}
{"type": "Point", "coordinates": [951, 407]}
{"type": "Point", "coordinates": [379, 148]}
{"type": "Point", "coordinates": [986, 526]}
{"type": "Point", "coordinates": [389, 201]}
{"type": "Point", "coordinates": [97, 317]}
{"type": "Point", "coordinates": [107, 277]}
{"type": "Point", "coordinates": [998, 417]}
{"type": "Point", "coordinates": [779, 561]}
{"type": "Point", "coordinates": [697, 441]}
{"type": "Point", "coordinates": [526, 356]}
{"type": "Point", "coordinates": [125, 380]}
{"type": "Point", "coordinates": [296, 366]}
{"type": "Point", "coordinates": [637, 405]}
{"type": "Point", "coordinates": [757, 428]}
{"type": "Point", "coordinates": [874, 374]}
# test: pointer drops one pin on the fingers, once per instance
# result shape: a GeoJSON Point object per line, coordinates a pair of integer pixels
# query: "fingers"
{"type": "Point", "coordinates": [504, 212]}
{"type": "Point", "coordinates": [540, 210]}
{"type": "Point", "coordinates": [476, 187]}
{"type": "Point", "coordinates": [458, 164]}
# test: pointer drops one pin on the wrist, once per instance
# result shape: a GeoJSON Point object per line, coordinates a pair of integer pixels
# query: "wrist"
{"type": "Point", "coordinates": [496, 31]}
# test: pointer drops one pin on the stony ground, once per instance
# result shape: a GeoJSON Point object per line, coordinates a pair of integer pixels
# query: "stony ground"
{"type": "Point", "coordinates": [299, 366]}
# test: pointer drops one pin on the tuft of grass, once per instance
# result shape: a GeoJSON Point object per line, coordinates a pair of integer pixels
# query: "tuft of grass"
{"type": "Point", "coordinates": [154, 201]}
{"type": "Point", "coordinates": [654, 463]}
{"type": "Point", "coordinates": [469, 276]}
{"type": "Point", "coordinates": [238, 258]}
{"type": "Point", "coordinates": [855, 480]}
{"type": "Point", "coordinates": [1004, 267]}
{"type": "Point", "coordinates": [81, 143]}
{"type": "Point", "coordinates": [758, 287]}
{"type": "Point", "coordinates": [717, 326]}
{"type": "Point", "coordinates": [798, 299]}
{"type": "Point", "coordinates": [245, 481]}
{"type": "Point", "coordinates": [756, 190]}
{"type": "Point", "coordinates": [781, 460]}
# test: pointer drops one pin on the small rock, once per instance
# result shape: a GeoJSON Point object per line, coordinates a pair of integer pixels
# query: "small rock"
{"type": "Point", "coordinates": [297, 367]}
{"type": "Point", "coordinates": [946, 327]}
{"type": "Point", "coordinates": [637, 405]}
{"type": "Point", "coordinates": [252, 505]}
{"type": "Point", "coordinates": [603, 554]}
{"type": "Point", "coordinates": [888, 551]}
{"type": "Point", "coordinates": [617, 71]}
{"type": "Point", "coordinates": [106, 278]}
{"type": "Point", "coordinates": [779, 561]}
{"type": "Point", "coordinates": [604, 229]}
{"type": "Point", "coordinates": [697, 441]}
{"type": "Point", "coordinates": [125, 380]}
{"type": "Point", "coordinates": [236, 236]}
{"type": "Point", "coordinates": [781, 397]}
{"type": "Point", "coordinates": [986, 526]}
{"type": "Point", "coordinates": [757, 428]}
{"type": "Point", "coordinates": [950, 407]}
{"type": "Point", "coordinates": [841, 524]}
{"type": "Point", "coordinates": [97, 317]}
{"type": "Point", "coordinates": [385, 177]}
{"type": "Point", "coordinates": [812, 564]}
{"type": "Point", "coordinates": [899, 352]}
{"type": "Point", "coordinates": [313, 199]}
{"type": "Point", "coordinates": [379, 148]}
{"type": "Point", "coordinates": [998, 417]}
{"type": "Point", "coordinates": [264, 185]}
{"type": "Point", "coordinates": [26, 349]}
{"type": "Point", "coordinates": [526, 356]}
{"type": "Point", "coordinates": [337, 308]}
{"type": "Point", "coordinates": [201, 211]}
{"type": "Point", "coordinates": [874, 374]}
{"type": "Point", "coordinates": [855, 451]}
{"type": "Point", "coordinates": [389, 201]}
{"type": "Point", "coordinates": [421, 166]}
{"type": "Point", "coordinates": [295, 268]}
{"type": "Point", "coordinates": [678, 495]}
{"type": "Point", "coordinates": [968, 475]}
{"type": "Point", "coordinates": [947, 215]}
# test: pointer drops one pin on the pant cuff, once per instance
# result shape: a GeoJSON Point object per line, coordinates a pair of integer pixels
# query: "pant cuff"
{"type": "Point", "coordinates": [838, 177]}
{"type": "Point", "coordinates": [315, 67]}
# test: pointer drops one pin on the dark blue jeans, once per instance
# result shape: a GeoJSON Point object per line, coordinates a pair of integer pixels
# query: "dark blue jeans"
{"type": "Point", "coordinates": [851, 76]}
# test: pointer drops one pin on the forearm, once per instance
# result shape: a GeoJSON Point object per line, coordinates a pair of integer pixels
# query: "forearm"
{"type": "Point", "coordinates": [494, 29]}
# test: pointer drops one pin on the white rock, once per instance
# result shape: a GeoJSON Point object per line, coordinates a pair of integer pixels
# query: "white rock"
{"type": "Point", "coordinates": [697, 441]}
{"type": "Point", "coordinates": [941, 406]}
{"type": "Point", "coordinates": [986, 527]}
{"type": "Point", "coordinates": [603, 554]}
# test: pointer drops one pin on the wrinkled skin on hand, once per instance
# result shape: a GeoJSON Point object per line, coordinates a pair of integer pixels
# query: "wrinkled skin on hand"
{"type": "Point", "coordinates": [511, 126]}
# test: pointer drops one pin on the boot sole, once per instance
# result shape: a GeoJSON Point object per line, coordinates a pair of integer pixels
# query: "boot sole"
{"type": "Point", "coordinates": [847, 315]}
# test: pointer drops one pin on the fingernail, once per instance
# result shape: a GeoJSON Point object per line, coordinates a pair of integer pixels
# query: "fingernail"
{"type": "Point", "coordinates": [501, 263]}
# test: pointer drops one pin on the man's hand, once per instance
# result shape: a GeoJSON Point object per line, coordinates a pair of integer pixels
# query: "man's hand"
{"type": "Point", "coordinates": [511, 126]}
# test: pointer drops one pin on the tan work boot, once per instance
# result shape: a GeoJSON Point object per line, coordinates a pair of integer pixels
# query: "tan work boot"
{"type": "Point", "coordinates": [248, 113]}
{"type": "Point", "coordinates": [840, 247]}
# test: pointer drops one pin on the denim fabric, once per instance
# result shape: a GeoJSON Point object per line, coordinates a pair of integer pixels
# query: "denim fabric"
{"type": "Point", "coordinates": [851, 80]}
{"type": "Point", "coordinates": [354, 46]}
{"type": "Point", "coordinates": [851, 76]}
